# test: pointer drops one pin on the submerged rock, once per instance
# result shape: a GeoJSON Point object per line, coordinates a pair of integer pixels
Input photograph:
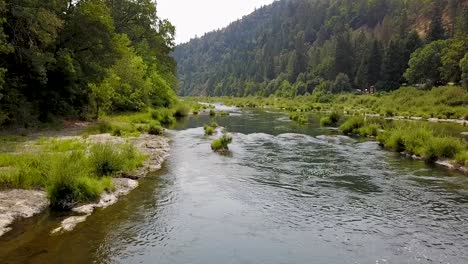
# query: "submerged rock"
{"type": "Point", "coordinates": [15, 204]}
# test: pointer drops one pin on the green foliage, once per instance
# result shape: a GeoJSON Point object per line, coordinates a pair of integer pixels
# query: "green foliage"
{"type": "Point", "coordinates": [330, 120]}
{"type": "Point", "coordinates": [71, 171]}
{"type": "Point", "coordinates": [222, 143]}
{"type": "Point", "coordinates": [105, 160]}
{"type": "Point", "coordinates": [464, 69]}
{"type": "Point", "coordinates": [182, 110]}
{"type": "Point", "coordinates": [212, 112]}
{"type": "Point", "coordinates": [422, 141]}
{"type": "Point", "coordinates": [155, 129]}
{"type": "Point", "coordinates": [164, 116]}
{"type": "Point", "coordinates": [462, 158]}
{"type": "Point", "coordinates": [80, 59]}
{"type": "Point", "coordinates": [425, 62]}
{"type": "Point", "coordinates": [351, 125]}
{"type": "Point", "coordinates": [209, 130]}
{"type": "Point", "coordinates": [298, 117]}
{"type": "Point", "coordinates": [439, 102]}
{"type": "Point", "coordinates": [370, 42]}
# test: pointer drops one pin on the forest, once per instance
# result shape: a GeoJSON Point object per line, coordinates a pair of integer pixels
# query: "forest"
{"type": "Point", "coordinates": [298, 47]}
{"type": "Point", "coordinates": [76, 59]}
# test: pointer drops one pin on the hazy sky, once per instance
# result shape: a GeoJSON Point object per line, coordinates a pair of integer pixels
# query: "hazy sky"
{"type": "Point", "coordinates": [196, 17]}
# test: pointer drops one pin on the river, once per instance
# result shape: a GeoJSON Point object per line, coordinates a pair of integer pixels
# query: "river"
{"type": "Point", "coordinates": [287, 194]}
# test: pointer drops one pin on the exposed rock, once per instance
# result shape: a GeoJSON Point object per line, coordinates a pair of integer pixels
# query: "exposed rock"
{"type": "Point", "coordinates": [15, 204]}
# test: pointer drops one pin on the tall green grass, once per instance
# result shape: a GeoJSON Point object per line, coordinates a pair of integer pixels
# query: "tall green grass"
{"type": "Point", "coordinates": [420, 140]}
{"type": "Point", "coordinates": [440, 102]}
{"type": "Point", "coordinates": [72, 172]}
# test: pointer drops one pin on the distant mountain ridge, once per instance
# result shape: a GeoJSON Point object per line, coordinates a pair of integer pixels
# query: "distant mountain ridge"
{"type": "Point", "coordinates": [294, 47]}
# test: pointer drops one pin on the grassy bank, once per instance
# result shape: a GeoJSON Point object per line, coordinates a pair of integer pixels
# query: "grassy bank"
{"type": "Point", "coordinates": [71, 171]}
{"type": "Point", "coordinates": [413, 138]}
{"type": "Point", "coordinates": [448, 102]}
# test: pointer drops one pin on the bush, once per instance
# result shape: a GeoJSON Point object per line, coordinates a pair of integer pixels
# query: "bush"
{"type": "Point", "coordinates": [208, 130]}
{"type": "Point", "coordinates": [69, 176]}
{"type": "Point", "coordinates": [442, 147]}
{"type": "Point", "coordinates": [392, 140]}
{"type": "Point", "coordinates": [222, 143]}
{"type": "Point", "coordinates": [369, 130]}
{"type": "Point", "coordinates": [212, 112]}
{"type": "Point", "coordinates": [462, 158]}
{"type": "Point", "coordinates": [155, 129]}
{"type": "Point", "coordinates": [100, 127]}
{"type": "Point", "coordinates": [326, 121]}
{"type": "Point", "coordinates": [105, 160]}
{"type": "Point", "coordinates": [352, 125]}
{"type": "Point", "coordinates": [422, 141]}
{"type": "Point", "coordinates": [182, 111]}
{"type": "Point", "coordinates": [164, 116]}
{"type": "Point", "coordinates": [214, 124]}
{"type": "Point", "coordinates": [298, 117]}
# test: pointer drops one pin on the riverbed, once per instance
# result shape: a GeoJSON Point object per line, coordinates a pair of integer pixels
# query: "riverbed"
{"type": "Point", "coordinates": [287, 193]}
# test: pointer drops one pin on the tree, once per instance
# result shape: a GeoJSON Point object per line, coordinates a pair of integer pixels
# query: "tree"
{"type": "Point", "coordinates": [450, 57]}
{"type": "Point", "coordinates": [375, 63]}
{"type": "Point", "coordinates": [341, 84]}
{"type": "Point", "coordinates": [464, 69]}
{"type": "Point", "coordinates": [425, 63]}
{"type": "Point", "coordinates": [343, 55]}
{"type": "Point", "coordinates": [436, 28]}
{"type": "Point", "coordinates": [392, 70]}
{"type": "Point", "coordinates": [461, 26]}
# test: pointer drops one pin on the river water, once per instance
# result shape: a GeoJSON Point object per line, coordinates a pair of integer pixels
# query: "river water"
{"type": "Point", "coordinates": [286, 194]}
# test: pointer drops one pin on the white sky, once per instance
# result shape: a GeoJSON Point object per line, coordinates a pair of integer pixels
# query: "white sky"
{"type": "Point", "coordinates": [196, 17]}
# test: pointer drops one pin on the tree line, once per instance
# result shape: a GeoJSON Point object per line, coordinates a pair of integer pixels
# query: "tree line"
{"type": "Point", "coordinates": [79, 58]}
{"type": "Point", "coordinates": [297, 47]}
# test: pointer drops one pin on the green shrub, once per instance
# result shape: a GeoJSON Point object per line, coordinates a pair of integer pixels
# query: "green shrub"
{"type": "Point", "coordinates": [208, 130]}
{"type": "Point", "coordinates": [462, 158]}
{"type": "Point", "coordinates": [100, 127]}
{"type": "Point", "coordinates": [214, 124]}
{"type": "Point", "coordinates": [27, 171]}
{"type": "Point", "coordinates": [182, 110]}
{"type": "Point", "coordinates": [422, 141]}
{"type": "Point", "coordinates": [69, 176]}
{"type": "Point", "coordinates": [325, 121]}
{"type": "Point", "coordinates": [155, 129]}
{"type": "Point", "coordinates": [212, 112]}
{"type": "Point", "coordinates": [369, 130]}
{"type": "Point", "coordinates": [105, 160]}
{"type": "Point", "coordinates": [330, 120]}
{"type": "Point", "coordinates": [442, 147]}
{"type": "Point", "coordinates": [351, 125]}
{"type": "Point", "coordinates": [164, 116]}
{"type": "Point", "coordinates": [298, 117]}
{"type": "Point", "coordinates": [133, 159]}
{"type": "Point", "coordinates": [66, 186]}
{"type": "Point", "coordinates": [222, 143]}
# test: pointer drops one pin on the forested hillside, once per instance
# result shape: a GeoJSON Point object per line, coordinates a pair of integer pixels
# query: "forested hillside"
{"type": "Point", "coordinates": [78, 58]}
{"type": "Point", "coordinates": [295, 47]}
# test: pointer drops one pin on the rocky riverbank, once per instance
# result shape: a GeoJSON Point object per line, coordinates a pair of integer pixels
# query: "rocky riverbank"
{"type": "Point", "coordinates": [17, 204]}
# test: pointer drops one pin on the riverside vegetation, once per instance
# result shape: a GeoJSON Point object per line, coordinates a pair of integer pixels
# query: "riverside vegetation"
{"type": "Point", "coordinates": [447, 102]}
{"type": "Point", "coordinates": [76, 171]}
{"type": "Point", "coordinates": [71, 171]}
